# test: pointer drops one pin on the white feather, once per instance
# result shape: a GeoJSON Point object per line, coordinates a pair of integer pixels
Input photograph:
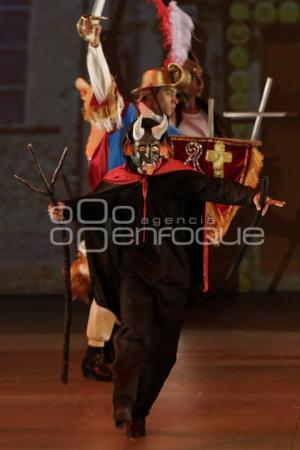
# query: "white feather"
{"type": "Point", "coordinates": [182, 27]}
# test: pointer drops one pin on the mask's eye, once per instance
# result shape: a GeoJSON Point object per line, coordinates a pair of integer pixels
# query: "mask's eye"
{"type": "Point", "coordinates": [155, 147]}
{"type": "Point", "coordinates": [142, 148]}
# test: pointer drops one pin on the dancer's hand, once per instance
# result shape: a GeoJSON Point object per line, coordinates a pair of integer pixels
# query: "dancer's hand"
{"type": "Point", "coordinates": [97, 31]}
{"type": "Point", "coordinates": [89, 29]}
{"type": "Point", "coordinates": [269, 201]}
{"type": "Point", "coordinates": [56, 214]}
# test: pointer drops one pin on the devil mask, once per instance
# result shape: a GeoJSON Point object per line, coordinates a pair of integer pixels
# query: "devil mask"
{"type": "Point", "coordinates": [145, 144]}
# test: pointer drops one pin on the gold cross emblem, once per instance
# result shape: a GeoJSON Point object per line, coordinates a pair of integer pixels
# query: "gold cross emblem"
{"type": "Point", "coordinates": [218, 156]}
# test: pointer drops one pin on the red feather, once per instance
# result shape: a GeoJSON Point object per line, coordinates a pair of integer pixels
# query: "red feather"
{"type": "Point", "coordinates": [165, 24]}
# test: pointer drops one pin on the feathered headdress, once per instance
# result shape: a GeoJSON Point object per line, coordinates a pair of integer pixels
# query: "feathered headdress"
{"type": "Point", "coordinates": [176, 27]}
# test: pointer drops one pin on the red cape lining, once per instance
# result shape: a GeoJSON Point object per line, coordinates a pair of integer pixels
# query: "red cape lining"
{"type": "Point", "coordinates": [123, 175]}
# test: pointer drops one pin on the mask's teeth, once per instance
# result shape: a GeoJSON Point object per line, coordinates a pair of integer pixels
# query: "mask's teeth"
{"type": "Point", "coordinates": [149, 168]}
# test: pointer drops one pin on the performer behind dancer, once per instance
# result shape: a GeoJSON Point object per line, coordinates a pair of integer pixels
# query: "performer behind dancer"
{"type": "Point", "coordinates": [154, 267]}
{"type": "Point", "coordinates": [191, 113]}
{"type": "Point", "coordinates": [109, 116]}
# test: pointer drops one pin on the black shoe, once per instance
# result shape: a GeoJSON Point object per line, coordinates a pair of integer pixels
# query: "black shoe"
{"type": "Point", "coordinates": [109, 352]}
{"type": "Point", "coordinates": [122, 416]}
{"type": "Point", "coordinates": [136, 427]}
{"type": "Point", "coordinates": [94, 366]}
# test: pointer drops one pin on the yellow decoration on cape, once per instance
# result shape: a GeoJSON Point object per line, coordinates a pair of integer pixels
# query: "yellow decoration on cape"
{"type": "Point", "coordinates": [218, 156]}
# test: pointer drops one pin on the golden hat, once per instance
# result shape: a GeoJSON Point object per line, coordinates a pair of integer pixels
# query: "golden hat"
{"type": "Point", "coordinates": [172, 75]}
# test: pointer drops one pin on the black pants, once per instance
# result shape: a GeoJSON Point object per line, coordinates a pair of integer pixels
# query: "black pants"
{"type": "Point", "coordinates": [152, 312]}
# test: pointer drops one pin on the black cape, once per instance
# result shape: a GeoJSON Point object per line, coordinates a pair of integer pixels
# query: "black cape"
{"type": "Point", "coordinates": [170, 201]}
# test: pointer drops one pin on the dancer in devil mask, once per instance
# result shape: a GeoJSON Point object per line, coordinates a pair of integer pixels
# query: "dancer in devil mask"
{"type": "Point", "coordinates": [146, 271]}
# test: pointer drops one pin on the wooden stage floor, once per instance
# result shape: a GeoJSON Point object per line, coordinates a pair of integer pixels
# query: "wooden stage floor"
{"type": "Point", "coordinates": [236, 385]}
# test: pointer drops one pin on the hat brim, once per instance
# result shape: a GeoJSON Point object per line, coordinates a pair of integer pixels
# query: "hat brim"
{"type": "Point", "coordinates": [140, 90]}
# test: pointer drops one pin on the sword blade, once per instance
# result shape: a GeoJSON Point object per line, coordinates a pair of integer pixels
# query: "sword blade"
{"type": "Point", "coordinates": [98, 8]}
{"type": "Point", "coordinates": [253, 114]}
{"type": "Point", "coordinates": [211, 121]}
{"type": "Point", "coordinates": [262, 107]}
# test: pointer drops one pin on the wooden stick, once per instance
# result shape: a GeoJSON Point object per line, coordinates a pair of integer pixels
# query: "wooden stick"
{"type": "Point", "coordinates": [50, 192]}
{"type": "Point", "coordinates": [39, 169]}
{"type": "Point", "coordinates": [68, 311]}
{"type": "Point", "coordinates": [59, 166]}
{"type": "Point", "coordinates": [30, 186]}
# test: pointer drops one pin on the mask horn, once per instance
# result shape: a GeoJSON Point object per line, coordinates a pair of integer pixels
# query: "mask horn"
{"type": "Point", "coordinates": [160, 129]}
{"type": "Point", "coordinates": [138, 132]}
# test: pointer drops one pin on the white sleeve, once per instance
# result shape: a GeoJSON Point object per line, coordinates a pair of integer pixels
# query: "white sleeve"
{"type": "Point", "coordinates": [102, 85]}
{"type": "Point", "coordinates": [99, 73]}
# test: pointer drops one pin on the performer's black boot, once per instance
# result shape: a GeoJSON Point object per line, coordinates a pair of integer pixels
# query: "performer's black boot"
{"type": "Point", "coordinates": [122, 415]}
{"type": "Point", "coordinates": [94, 365]}
{"type": "Point", "coordinates": [136, 427]}
{"type": "Point", "coordinates": [109, 351]}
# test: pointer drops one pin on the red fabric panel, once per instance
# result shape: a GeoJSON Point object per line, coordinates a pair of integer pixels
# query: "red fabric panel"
{"type": "Point", "coordinates": [236, 170]}
{"type": "Point", "coordinates": [98, 163]}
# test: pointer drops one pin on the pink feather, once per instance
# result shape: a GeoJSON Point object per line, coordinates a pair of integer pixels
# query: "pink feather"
{"type": "Point", "coordinates": [176, 27]}
{"type": "Point", "coordinates": [182, 27]}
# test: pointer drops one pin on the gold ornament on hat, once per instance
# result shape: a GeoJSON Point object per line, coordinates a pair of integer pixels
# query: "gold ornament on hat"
{"type": "Point", "coordinates": [192, 65]}
{"type": "Point", "coordinates": [173, 75]}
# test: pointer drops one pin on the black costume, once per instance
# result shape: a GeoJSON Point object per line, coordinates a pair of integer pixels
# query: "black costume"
{"type": "Point", "coordinates": [151, 283]}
